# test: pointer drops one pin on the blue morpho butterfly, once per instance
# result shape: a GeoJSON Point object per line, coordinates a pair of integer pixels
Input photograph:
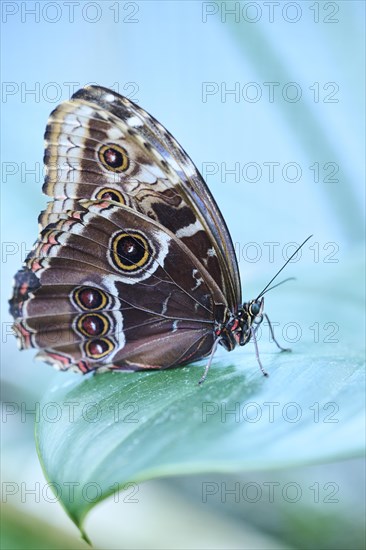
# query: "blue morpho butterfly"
{"type": "Point", "coordinates": [134, 267]}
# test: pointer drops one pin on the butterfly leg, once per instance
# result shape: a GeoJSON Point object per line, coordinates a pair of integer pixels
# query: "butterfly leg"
{"type": "Point", "coordinates": [214, 347]}
{"type": "Point", "coordinates": [273, 336]}
{"type": "Point", "coordinates": [253, 331]}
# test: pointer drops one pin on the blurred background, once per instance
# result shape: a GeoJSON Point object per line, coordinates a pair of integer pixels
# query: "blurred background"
{"type": "Point", "coordinates": [268, 100]}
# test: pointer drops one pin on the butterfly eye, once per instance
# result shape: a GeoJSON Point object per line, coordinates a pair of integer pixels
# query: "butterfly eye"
{"type": "Point", "coordinates": [109, 194]}
{"type": "Point", "coordinates": [130, 251]}
{"type": "Point", "coordinates": [89, 298]}
{"type": "Point", "coordinates": [93, 324]}
{"type": "Point", "coordinates": [254, 309]}
{"type": "Point", "coordinates": [98, 348]}
{"type": "Point", "coordinates": [114, 157]}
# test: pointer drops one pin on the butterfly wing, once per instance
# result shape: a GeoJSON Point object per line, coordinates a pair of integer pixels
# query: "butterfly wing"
{"type": "Point", "coordinates": [134, 266]}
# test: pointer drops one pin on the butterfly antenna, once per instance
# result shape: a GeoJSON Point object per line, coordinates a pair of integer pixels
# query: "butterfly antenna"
{"type": "Point", "coordinates": [283, 267]}
{"type": "Point", "coordinates": [278, 284]}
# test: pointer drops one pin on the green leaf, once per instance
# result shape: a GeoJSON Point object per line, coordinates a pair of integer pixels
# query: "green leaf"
{"type": "Point", "coordinates": [167, 425]}
{"type": "Point", "coordinates": [97, 434]}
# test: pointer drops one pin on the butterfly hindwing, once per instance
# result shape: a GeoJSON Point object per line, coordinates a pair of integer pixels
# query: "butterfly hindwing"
{"type": "Point", "coordinates": [107, 287]}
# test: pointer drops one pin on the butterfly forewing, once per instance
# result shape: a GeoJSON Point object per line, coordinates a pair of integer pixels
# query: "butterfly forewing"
{"type": "Point", "coordinates": [155, 176]}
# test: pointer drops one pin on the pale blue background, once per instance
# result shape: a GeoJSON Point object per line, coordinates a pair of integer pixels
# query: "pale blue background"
{"type": "Point", "coordinates": [165, 56]}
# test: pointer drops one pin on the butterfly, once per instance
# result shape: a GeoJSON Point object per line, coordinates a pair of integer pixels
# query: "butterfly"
{"type": "Point", "coordinates": [134, 267]}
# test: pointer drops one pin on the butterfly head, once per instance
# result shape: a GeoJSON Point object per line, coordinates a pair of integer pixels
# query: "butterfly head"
{"type": "Point", "coordinates": [238, 329]}
{"type": "Point", "coordinates": [242, 326]}
{"type": "Point", "coordinates": [251, 313]}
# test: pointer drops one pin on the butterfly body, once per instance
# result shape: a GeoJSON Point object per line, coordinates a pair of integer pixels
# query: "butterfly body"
{"type": "Point", "coordinates": [134, 267]}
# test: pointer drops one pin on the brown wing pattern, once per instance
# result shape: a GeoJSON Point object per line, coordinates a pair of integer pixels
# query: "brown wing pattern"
{"type": "Point", "coordinates": [156, 315]}
{"type": "Point", "coordinates": [134, 266]}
